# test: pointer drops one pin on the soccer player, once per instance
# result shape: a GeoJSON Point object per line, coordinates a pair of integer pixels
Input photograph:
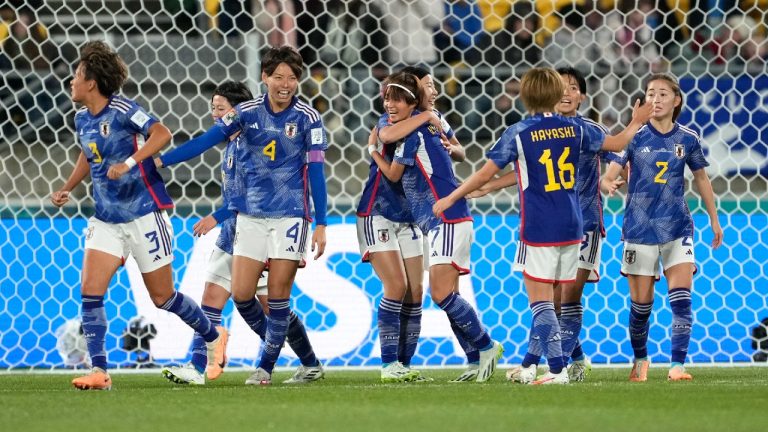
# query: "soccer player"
{"type": "Point", "coordinates": [423, 166]}
{"type": "Point", "coordinates": [546, 149]}
{"type": "Point", "coordinates": [567, 296]}
{"type": "Point", "coordinates": [388, 133]}
{"type": "Point", "coordinates": [283, 146]}
{"type": "Point", "coordinates": [657, 222]}
{"type": "Point", "coordinates": [118, 138]}
{"type": "Point", "coordinates": [218, 283]}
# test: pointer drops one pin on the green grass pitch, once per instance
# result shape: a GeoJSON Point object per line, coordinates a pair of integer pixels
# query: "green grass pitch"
{"type": "Point", "coordinates": [719, 399]}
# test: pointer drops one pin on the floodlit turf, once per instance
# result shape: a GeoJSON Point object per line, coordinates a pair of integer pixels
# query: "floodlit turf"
{"type": "Point", "coordinates": [719, 399]}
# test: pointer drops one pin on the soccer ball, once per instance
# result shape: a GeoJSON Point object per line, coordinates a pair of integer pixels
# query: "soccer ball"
{"type": "Point", "coordinates": [71, 345]}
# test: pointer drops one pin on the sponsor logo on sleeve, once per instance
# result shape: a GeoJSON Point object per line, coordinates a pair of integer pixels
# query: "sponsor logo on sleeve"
{"type": "Point", "coordinates": [229, 118]}
{"type": "Point", "coordinates": [317, 136]}
{"type": "Point", "coordinates": [139, 118]}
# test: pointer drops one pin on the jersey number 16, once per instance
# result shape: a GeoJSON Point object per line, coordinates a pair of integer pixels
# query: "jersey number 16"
{"type": "Point", "coordinates": [566, 170]}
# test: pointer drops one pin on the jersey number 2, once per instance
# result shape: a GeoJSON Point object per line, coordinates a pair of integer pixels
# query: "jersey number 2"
{"type": "Point", "coordinates": [565, 169]}
{"type": "Point", "coordinates": [662, 169]}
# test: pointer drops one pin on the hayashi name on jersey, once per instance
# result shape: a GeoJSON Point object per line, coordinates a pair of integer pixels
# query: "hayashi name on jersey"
{"type": "Point", "coordinates": [553, 133]}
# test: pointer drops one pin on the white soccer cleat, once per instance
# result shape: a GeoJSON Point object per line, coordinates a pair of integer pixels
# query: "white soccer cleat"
{"type": "Point", "coordinates": [522, 375]}
{"type": "Point", "coordinates": [395, 372]}
{"type": "Point", "coordinates": [550, 378]}
{"type": "Point", "coordinates": [183, 375]}
{"type": "Point", "coordinates": [579, 369]}
{"type": "Point", "coordinates": [260, 377]}
{"type": "Point", "coordinates": [306, 374]}
{"type": "Point", "coordinates": [469, 375]}
{"type": "Point", "coordinates": [488, 360]}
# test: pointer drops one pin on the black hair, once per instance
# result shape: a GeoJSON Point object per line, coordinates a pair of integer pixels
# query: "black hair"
{"type": "Point", "coordinates": [578, 76]}
{"type": "Point", "coordinates": [285, 54]}
{"type": "Point", "coordinates": [233, 91]}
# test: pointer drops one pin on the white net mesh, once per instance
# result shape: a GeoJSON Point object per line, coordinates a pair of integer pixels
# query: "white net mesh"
{"type": "Point", "coordinates": [179, 50]}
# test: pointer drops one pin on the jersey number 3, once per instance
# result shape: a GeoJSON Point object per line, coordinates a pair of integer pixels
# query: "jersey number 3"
{"type": "Point", "coordinates": [565, 170]}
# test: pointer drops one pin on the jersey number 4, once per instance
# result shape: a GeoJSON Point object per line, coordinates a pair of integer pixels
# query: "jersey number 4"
{"type": "Point", "coordinates": [269, 150]}
{"type": "Point", "coordinates": [565, 170]}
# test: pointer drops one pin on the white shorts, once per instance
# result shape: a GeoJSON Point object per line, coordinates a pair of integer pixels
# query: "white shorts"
{"type": "Point", "coordinates": [643, 260]}
{"type": "Point", "coordinates": [451, 244]}
{"type": "Point", "coordinates": [220, 272]}
{"type": "Point", "coordinates": [589, 255]}
{"type": "Point", "coordinates": [149, 239]}
{"type": "Point", "coordinates": [379, 234]}
{"type": "Point", "coordinates": [549, 263]}
{"type": "Point", "coordinates": [262, 239]}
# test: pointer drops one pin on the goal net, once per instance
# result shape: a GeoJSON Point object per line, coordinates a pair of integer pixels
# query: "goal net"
{"type": "Point", "coordinates": [179, 50]}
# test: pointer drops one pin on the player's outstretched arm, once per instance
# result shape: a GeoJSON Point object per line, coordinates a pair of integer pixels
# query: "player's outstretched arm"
{"type": "Point", "coordinates": [640, 115]}
{"type": "Point", "coordinates": [611, 182]}
{"type": "Point", "coordinates": [192, 148]}
{"type": "Point", "coordinates": [704, 187]}
{"type": "Point", "coordinates": [507, 180]}
{"type": "Point", "coordinates": [473, 183]}
{"type": "Point", "coordinates": [402, 129]}
{"type": "Point", "coordinates": [81, 169]}
{"type": "Point", "coordinates": [158, 137]}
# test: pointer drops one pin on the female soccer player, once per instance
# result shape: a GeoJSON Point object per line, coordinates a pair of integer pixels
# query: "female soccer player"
{"type": "Point", "coordinates": [657, 222]}
{"type": "Point", "coordinates": [546, 150]}
{"type": "Point", "coordinates": [284, 145]}
{"type": "Point", "coordinates": [423, 166]}
{"type": "Point", "coordinates": [118, 138]}
{"type": "Point", "coordinates": [389, 133]}
{"type": "Point", "coordinates": [218, 282]}
{"type": "Point", "coordinates": [567, 296]}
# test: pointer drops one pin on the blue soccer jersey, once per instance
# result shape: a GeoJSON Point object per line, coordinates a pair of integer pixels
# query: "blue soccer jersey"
{"type": "Point", "coordinates": [588, 184]}
{"type": "Point", "coordinates": [546, 149]}
{"type": "Point", "coordinates": [272, 160]}
{"type": "Point", "coordinates": [656, 211]}
{"type": "Point", "coordinates": [429, 176]}
{"type": "Point", "coordinates": [108, 138]}
{"type": "Point", "coordinates": [230, 186]}
{"type": "Point", "coordinates": [382, 197]}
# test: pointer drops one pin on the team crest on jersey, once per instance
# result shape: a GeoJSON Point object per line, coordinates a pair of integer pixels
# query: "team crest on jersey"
{"type": "Point", "coordinates": [104, 129]}
{"type": "Point", "coordinates": [680, 151]}
{"type": "Point", "coordinates": [230, 160]}
{"type": "Point", "coordinates": [383, 235]}
{"type": "Point", "coordinates": [630, 256]}
{"type": "Point", "coordinates": [290, 129]}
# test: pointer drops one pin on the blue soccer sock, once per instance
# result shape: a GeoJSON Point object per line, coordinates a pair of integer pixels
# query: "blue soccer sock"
{"type": "Point", "coordinates": [410, 329]}
{"type": "Point", "coordinates": [277, 327]}
{"type": "Point", "coordinates": [389, 329]}
{"type": "Point", "coordinates": [299, 342]}
{"type": "Point", "coordinates": [189, 312]}
{"type": "Point", "coordinates": [639, 323]}
{"type": "Point", "coordinates": [570, 327]}
{"type": "Point", "coordinates": [578, 352]}
{"type": "Point", "coordinates": [545, 335]}
{"type": "Point", "coordinates": [682, 320]}
{"type": "Point", "coordinates": [253, 315]}
{"type": "Point", "coordinates": [95, 329]}
{"type": "Point", "coordinates": [467, 321]}
{"type": "Point", "coordinates": [199, 351]}
{"type": "Point", "coordinates": [473, 355]}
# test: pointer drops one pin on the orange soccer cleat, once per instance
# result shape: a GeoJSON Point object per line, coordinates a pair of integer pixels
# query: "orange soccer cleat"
{"type": "Point", "coordinates": [98, 379]}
